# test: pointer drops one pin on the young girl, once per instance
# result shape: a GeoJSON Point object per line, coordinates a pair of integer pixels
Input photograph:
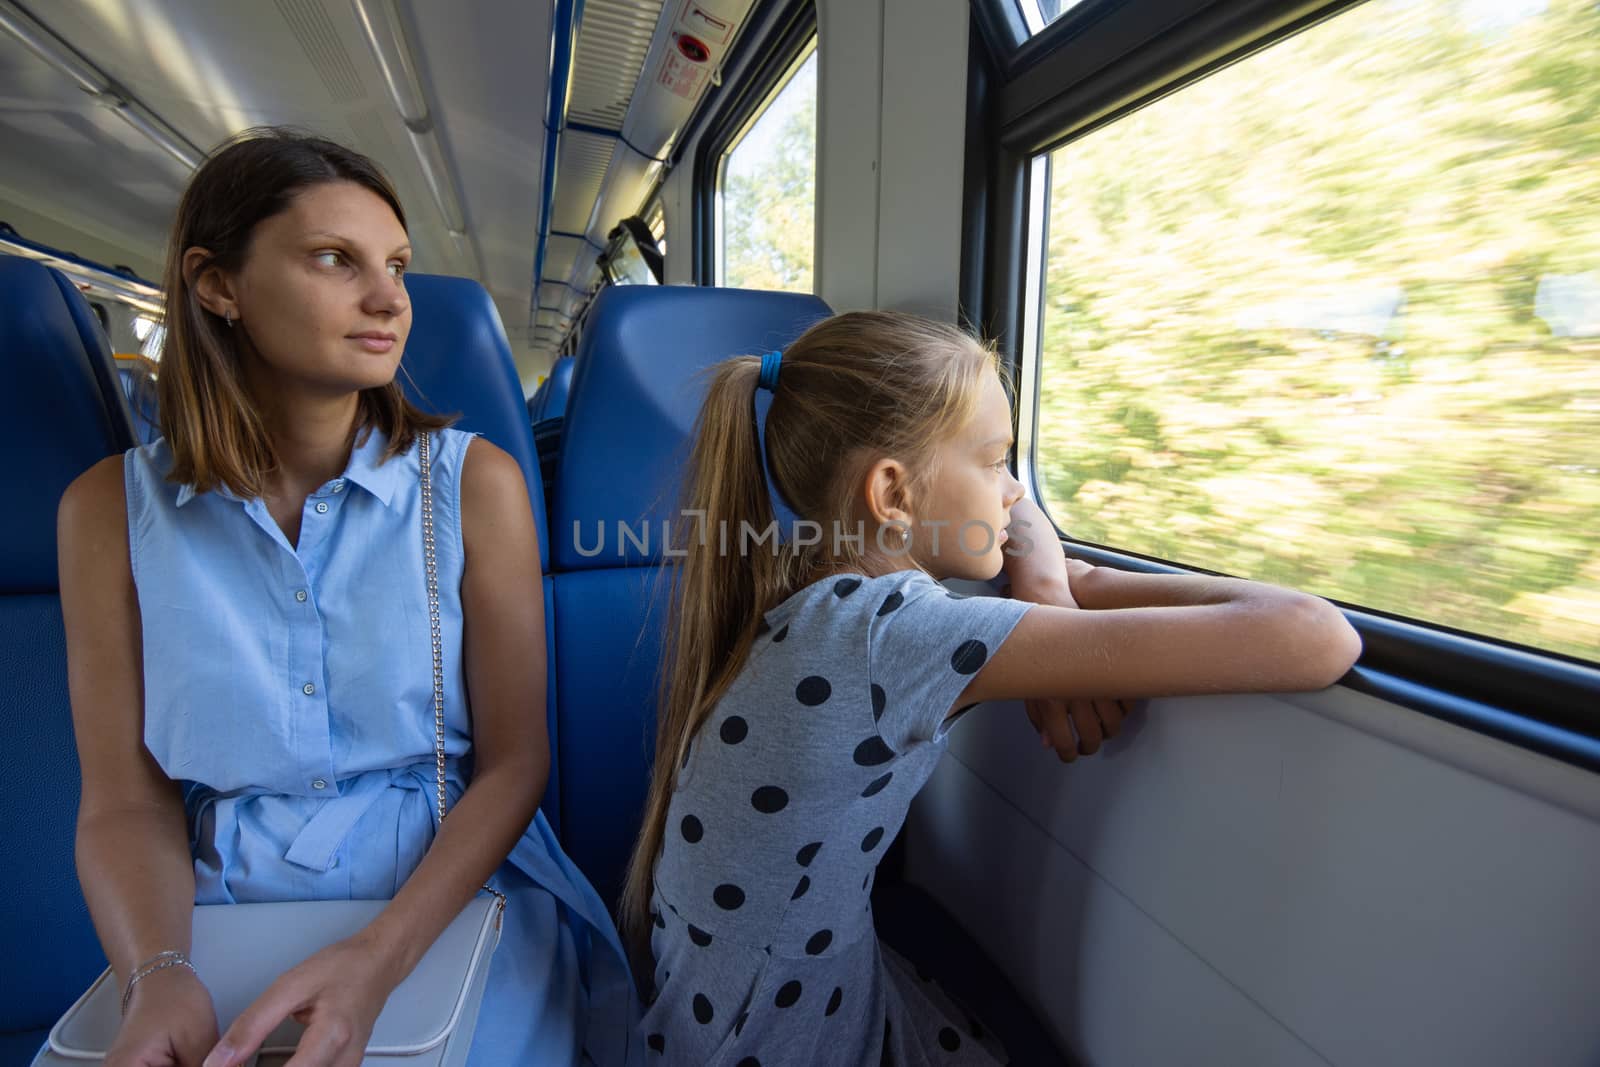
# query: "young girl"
{"type": "Point", "coordinates": [810, 690]}
{"type": "Point", "coordinates": [248, 633]}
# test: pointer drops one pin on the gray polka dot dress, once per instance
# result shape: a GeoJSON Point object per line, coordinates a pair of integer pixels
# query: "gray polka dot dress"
{"type": "Point", "coordinates": [796, 784]}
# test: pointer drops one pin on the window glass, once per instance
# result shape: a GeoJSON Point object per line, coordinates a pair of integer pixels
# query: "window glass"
{"type": "Point", "coordinates": [1038, 14]}
{"type": "Point", "coordinates": [1331, 318]}
{"type": "Point", "coordinates": [767, 194]}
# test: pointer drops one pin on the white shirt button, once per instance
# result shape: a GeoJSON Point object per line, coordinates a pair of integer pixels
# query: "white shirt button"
{"type": "Point", "coordinates": [319, 784]}
{"type": "Point", "coordinates": [322, 507]}
{"type": "Point", "coordinates": [308, 689]}
{"type": "Point", "coordinates": [300, 595]}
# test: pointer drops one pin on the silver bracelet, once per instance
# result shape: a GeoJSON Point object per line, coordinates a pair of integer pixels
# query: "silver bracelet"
{"type": "Point", "coordinates": [159, 962]}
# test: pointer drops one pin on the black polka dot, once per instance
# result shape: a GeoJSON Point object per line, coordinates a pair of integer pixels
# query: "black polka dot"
{"type": "Point", "coordinates": [872, 752]}
{"type": "Point", "coordinates": [692, 830]}
{"type": "Point", "coordinates": [845, 586]}
{"type": "Point", "coordinates": [800, 890]}
{"type": "Point", "coordinates": [819, 942]}
{"type": "Point", "coordinates": [748, 1061]}
{"type": "Point", "coordinates": [969, 657]}
{"type": "Point", "coordinates": [870, 842]}
{"type": "Point", "coordinates": [949, 1039]}
{"type": "Point", "coordinates": [877, 785]}
{"type": "Point", "coordinates": [787, 995]}
{"type": "Point", "coordinates": [657, 1042]}
{"type": "Point", "coordinates": [769, 800]}
{"type": "Point", "coordinates": [702, 1009]}
{"type": "Point", "coordinates": [738, 1027]}
{"type": "Point", "coordinates": [728, 897]}
{"type": "Point", "coordinates": [834, 1001]}
{"type": "Point", "coordinates": [699, 936]}
{"type": "Point", "coordinates": [655, 917]}
{"type": "Point", "coordinates": [734, 729]}
{"type": "Point", "coordinates": [813, 690]}
{"type": "Point", "coordinates": [807, 854]}
{"type": "Point", "coordinates": [783, 631]}
{"type": "Point", "coordinates": [879, 700]}
{"type": "Point", "coordinates": [894, 600]}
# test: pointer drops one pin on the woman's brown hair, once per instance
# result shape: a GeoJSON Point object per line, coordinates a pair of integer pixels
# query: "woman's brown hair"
{"type": "Point", "coordinates": [851, 390]}
{"type": "Point", "coordinates": [207, 415]}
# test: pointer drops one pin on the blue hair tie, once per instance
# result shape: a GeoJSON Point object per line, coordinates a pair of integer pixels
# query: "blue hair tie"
{"type": "Point", "coordinates": [771, 363]}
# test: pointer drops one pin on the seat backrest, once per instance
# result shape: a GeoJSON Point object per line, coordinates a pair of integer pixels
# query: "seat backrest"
{"type": "Point", "coordinates": [636, 390]}
{"type": "Point", "coordinates": [559, 385]}
{"type": "Point", "coordinates": [65, 410]}
{"type": "Point", "coordinates": [536, 401]}
{"type": "Point", "coordinates": [458, 361]}
{"type": "Point", "coordinates": [137, 376]}
{"type": "Point", "coordinates": [551, 400]}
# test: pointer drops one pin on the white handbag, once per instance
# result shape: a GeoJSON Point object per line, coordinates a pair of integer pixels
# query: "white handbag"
{"type": "Point", "coordinates": [241, 949]}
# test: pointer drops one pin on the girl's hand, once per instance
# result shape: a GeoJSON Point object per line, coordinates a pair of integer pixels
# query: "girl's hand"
{"type": "Point", "coordinates": [170, 1023]}
{"type": "Point", "coordinates": [336, 994]}
{"type": "Point", "coordinates": [1075, 727]}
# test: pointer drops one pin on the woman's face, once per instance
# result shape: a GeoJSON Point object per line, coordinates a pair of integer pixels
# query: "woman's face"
{"type": "Point", "coordinates": [321, 296]}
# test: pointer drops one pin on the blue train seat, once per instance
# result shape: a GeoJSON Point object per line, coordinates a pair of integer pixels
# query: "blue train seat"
{"type": "Point", "coordinates": [458, 361]}
{"type": "Point", "coordinates": [552, 397]}
{"type": "Point", "coordinates": [65, 411]}
{"type": "Point", "coordinates": [536, 401]}
{"type": "Point", "coordinates": [636, 389]}
{"type": "Point", "coordinates": [137, 378]}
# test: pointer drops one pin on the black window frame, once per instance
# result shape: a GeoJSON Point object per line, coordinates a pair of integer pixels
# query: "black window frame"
{"type": "Point", "coordinates": [1096, 64]}
{"type": "Point", "coordinates": [788, 29]}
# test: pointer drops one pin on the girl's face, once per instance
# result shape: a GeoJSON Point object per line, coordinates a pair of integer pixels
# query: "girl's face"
{"type": "Point", "coordinates": [321, 297]}
{"type": "Point", "coordinates": [972, 493]}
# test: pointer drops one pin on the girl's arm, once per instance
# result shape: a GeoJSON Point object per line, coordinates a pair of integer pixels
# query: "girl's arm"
{"type": "Point", "coordinates": [1203, 635]}
{"type": "Point", "coordinates": [132, 839]}
{"type": "Point", "coordinates": [341, 990]}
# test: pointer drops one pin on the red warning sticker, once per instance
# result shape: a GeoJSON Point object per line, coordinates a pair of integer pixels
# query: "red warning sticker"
{"type": "Point", "coordinates": [693, 49]}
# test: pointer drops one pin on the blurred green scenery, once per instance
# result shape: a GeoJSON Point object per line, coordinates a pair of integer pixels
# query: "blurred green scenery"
{"type": "Point", "coordinates": [769, 192]}
{"type": "Point", "coordinates": [1330, 318]}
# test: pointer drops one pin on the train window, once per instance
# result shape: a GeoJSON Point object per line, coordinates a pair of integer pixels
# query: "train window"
{"type": "Point", "coordinates": [767, 190]}
{"type": "Point", "coordinates": [1037, 14]}
{"type": "Point", "coordinates": [1330, 318]}
{"type": "Point", "coordinates": [655, 217]}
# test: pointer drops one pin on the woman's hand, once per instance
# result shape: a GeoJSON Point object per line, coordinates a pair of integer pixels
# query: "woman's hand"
{"type": "Point", "coordinates": [170, 1023]}
{"type": "Point", "coordinates": [336, 995]}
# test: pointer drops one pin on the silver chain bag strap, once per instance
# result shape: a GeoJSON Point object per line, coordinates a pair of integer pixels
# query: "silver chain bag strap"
{"type": "Point", "coordinates": [240, 949]}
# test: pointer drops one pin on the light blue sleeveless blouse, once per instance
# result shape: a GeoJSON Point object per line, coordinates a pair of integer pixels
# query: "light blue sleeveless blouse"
{"type": "Point", "coordinates": [291, 689]}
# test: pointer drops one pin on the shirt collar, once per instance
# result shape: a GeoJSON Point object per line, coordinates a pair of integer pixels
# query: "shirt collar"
{"type": "Point", "coordinates": [367, 468]}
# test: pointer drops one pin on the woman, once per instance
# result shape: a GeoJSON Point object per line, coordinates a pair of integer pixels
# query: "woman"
{"type": "Point", "coordinates": [246, 615]}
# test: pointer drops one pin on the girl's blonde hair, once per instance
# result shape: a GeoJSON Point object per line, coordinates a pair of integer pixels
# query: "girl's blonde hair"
{"type": "Point", "coordinates": [207, 415]}
{"type": "Point", "coordinates": [852, 389]}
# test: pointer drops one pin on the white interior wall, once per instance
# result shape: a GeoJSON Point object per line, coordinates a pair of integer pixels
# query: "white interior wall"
{"type": "Point", "coordinates": [1314, 879]}
{"type": "Point", "coordinates": [891, 116]}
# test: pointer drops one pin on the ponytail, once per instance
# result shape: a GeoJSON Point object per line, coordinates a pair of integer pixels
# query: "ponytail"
{"type": "Point", "coordinates": [717, 597]}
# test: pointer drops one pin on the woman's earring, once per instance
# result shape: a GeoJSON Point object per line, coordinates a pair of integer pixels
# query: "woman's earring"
{"type": "Point", "coordinates": [227, 317]}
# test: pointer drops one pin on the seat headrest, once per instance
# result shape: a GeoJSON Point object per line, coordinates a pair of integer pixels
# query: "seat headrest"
{"type": "Point", "coordinates": [559, 385]}
{"type": "Point", "coordinates": [458, 361]}
{"type": "Point", "coordinates": [64, 406]}
{"type": "Point", "coordinates": [636, 391]}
